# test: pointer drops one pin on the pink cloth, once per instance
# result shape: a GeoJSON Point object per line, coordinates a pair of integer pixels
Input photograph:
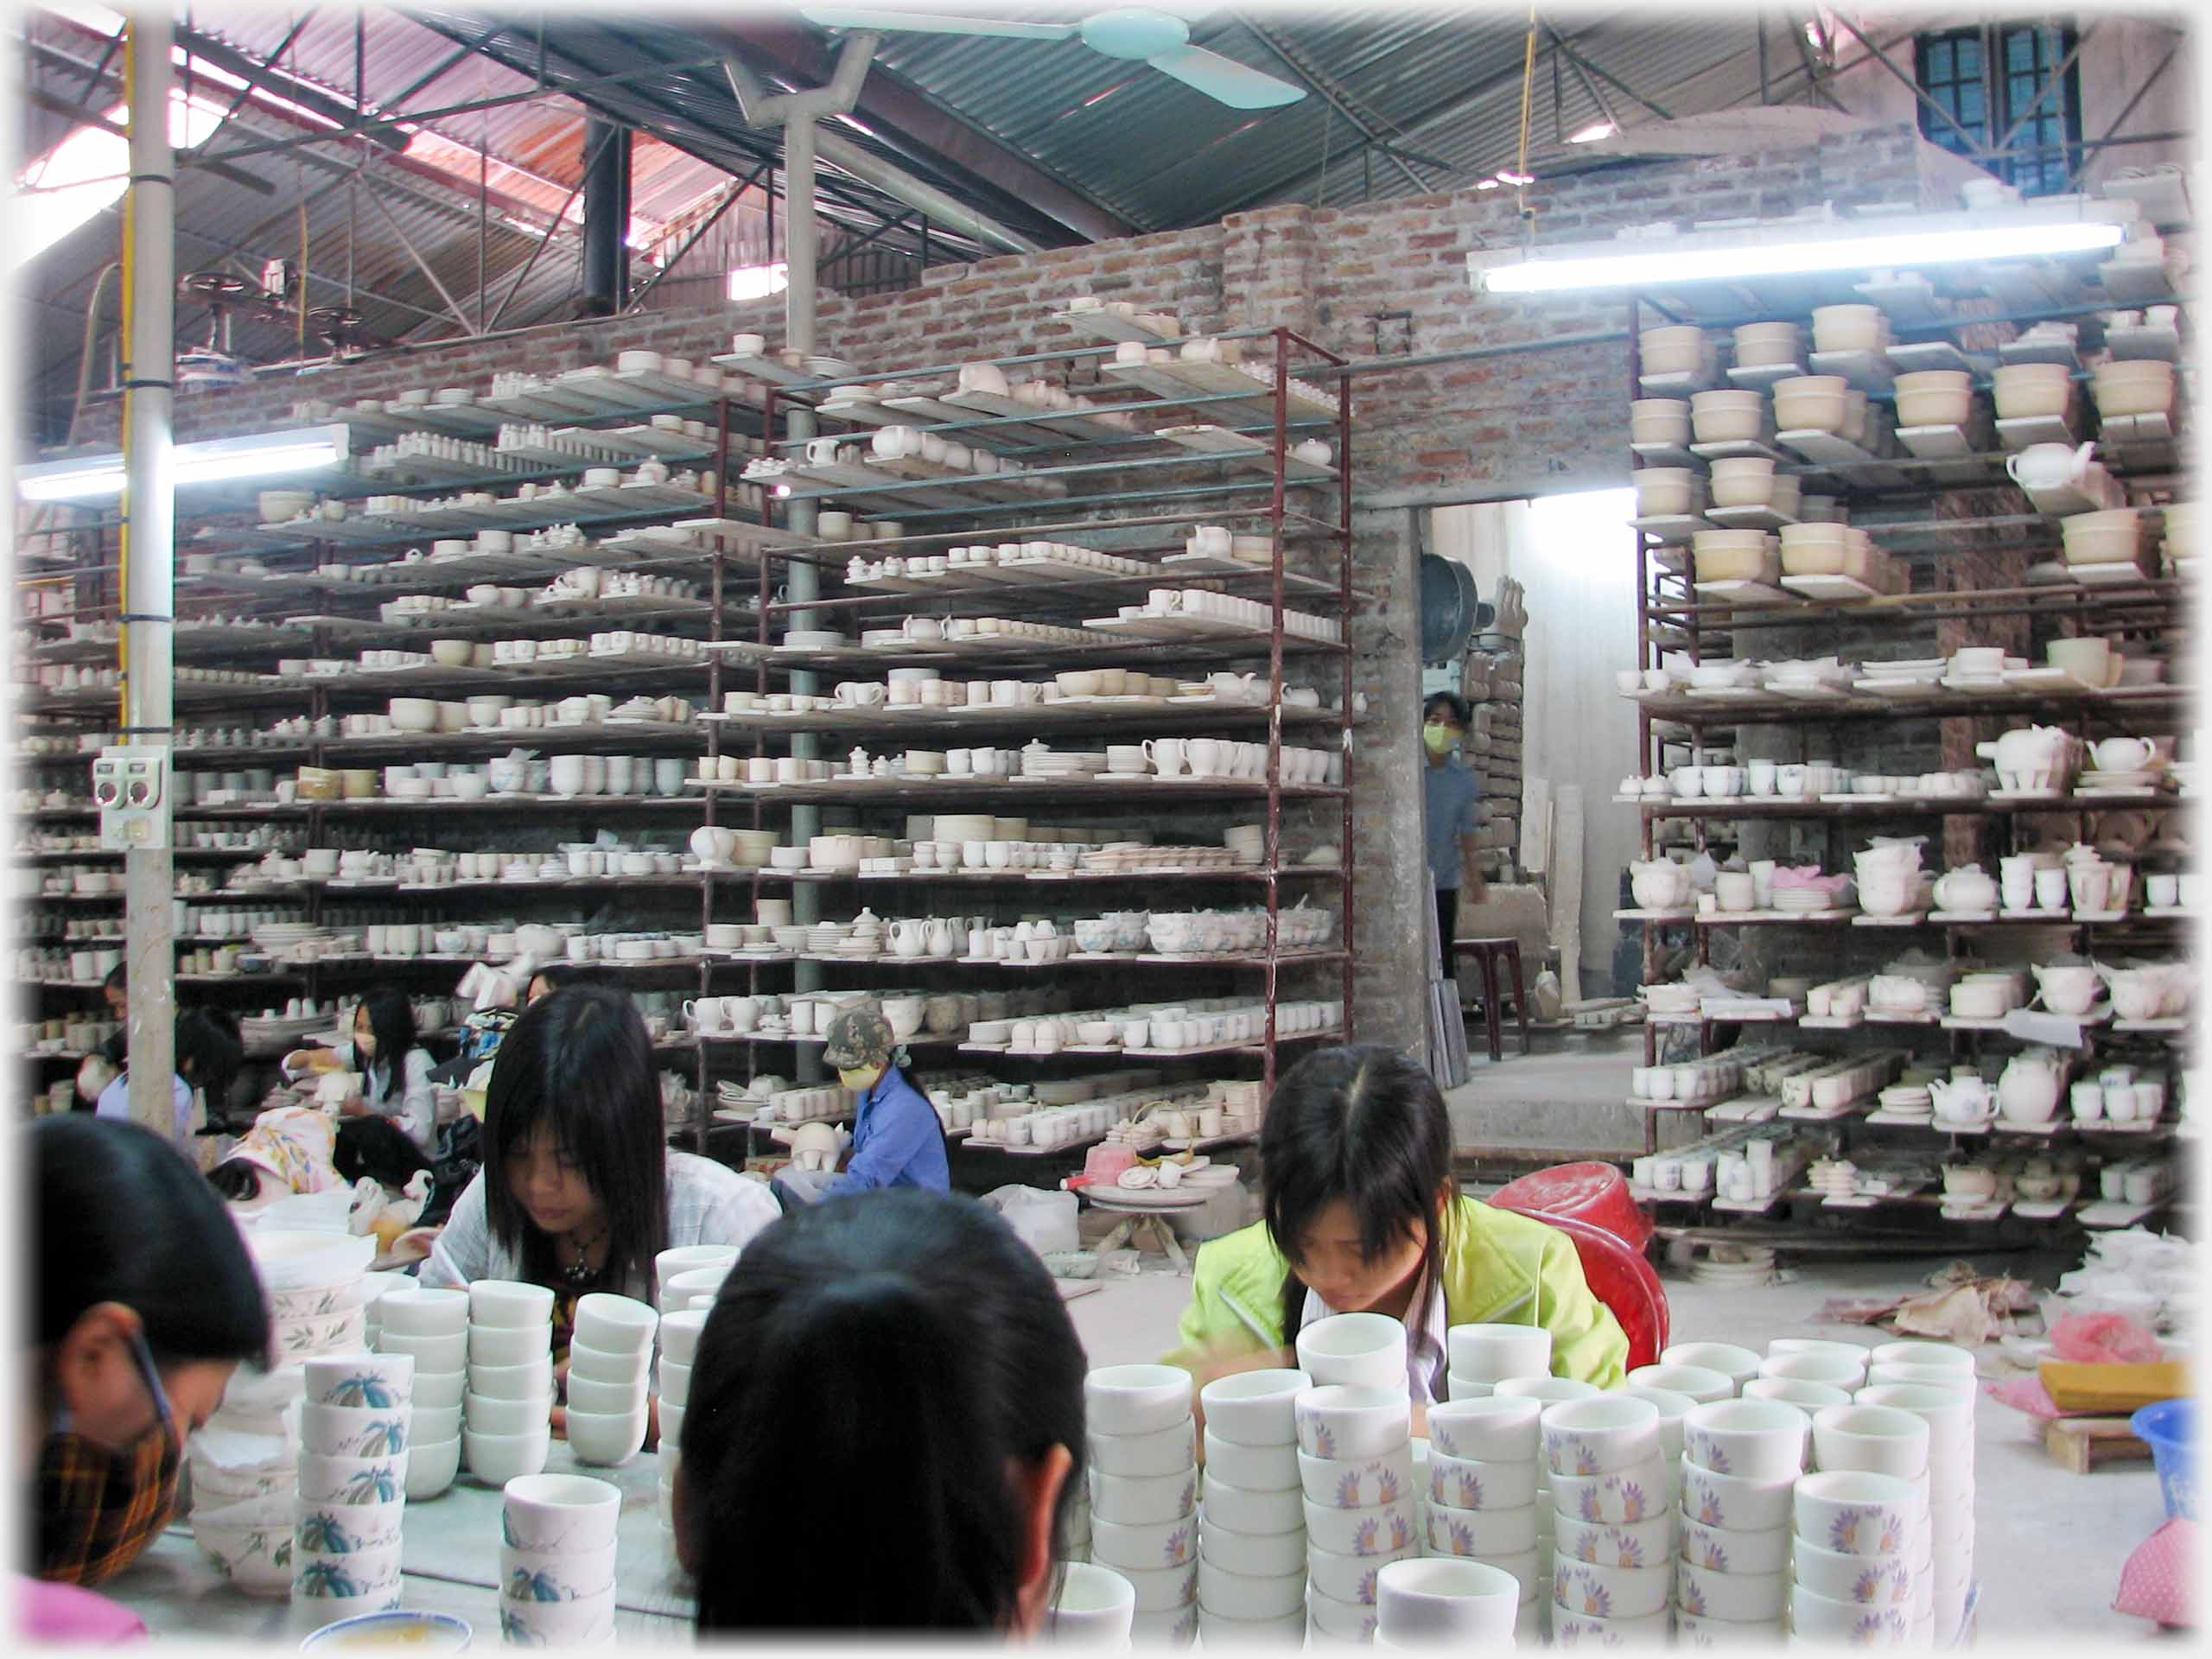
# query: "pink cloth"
{"type": "Point", "coordinates": [2159, 1581]}
{"type": "Point", "coordinates": [63, 1612]}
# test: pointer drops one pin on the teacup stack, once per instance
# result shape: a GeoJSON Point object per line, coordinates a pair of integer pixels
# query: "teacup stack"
{"type": "Point", "coordinates": [1444, 1604]}
{"type": "Point", "coordinates": [507, 1416]}
{"type": "Point", "coordinates": [1144, 1492]}
{"type": "Point", "coordinates": [679, 1342]}
{"type": "Point", "coordinates": [1354, 1461]}
{"type": "Point", "coordinates": [1741, 1459]}
{"type": "Point", "coordinates": [1544, 1391]}
{"type": "Point", "coordinates": [1613, 1565]}
{"type": "Point", "coordinates": [431, 1327]}
{"type": "Point", "coordinates": [1252, 1514]}
{"type": "Point", "coordinates": [1480, 1357]}
{"type": "Point", "coordinates": [1852, 1574]}
{"type": "Point", "coordinates": [1483, 1460]}
{"type": "Point", "coordinates": [1948, 1413]}
{"type": "Point", "coordinates": [1882, 1440]}
{"type": "Point", "coordinates": [1739, 1365]}
{"type": "Point", "coordinates": [556, 1560]}
{"type": "Point", "coordinates": [686, 1258]}
{"type": "Point", "coordinates": [610, 1362]}
{"type": "Point", "coordinates": [353, 1486]}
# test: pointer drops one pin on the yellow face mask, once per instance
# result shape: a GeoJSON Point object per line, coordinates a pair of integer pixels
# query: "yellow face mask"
{"type": "Point", "coordinates": [861, 1081]}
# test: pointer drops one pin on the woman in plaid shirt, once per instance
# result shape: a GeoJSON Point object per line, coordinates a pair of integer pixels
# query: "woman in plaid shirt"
{"type": "Point", "coordinates": [144, 1302]}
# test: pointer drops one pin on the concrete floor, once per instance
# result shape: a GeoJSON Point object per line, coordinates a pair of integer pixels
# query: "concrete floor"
{"type": "Point", "coordinates": [2049, 1545]}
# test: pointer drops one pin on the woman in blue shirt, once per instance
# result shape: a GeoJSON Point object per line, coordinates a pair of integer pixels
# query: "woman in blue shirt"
{"type": "Point", "coordinates": [897, 1140]}
{"type": "Point", "coordinates": [207, 1054]}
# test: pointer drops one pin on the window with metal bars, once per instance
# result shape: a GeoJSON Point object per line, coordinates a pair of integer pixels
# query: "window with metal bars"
{"type": "Point", "coordinates": [1990, 79]}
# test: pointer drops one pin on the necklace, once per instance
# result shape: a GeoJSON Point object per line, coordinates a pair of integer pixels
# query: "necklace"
{"type": "Point", "coordinates": [579, 1272]}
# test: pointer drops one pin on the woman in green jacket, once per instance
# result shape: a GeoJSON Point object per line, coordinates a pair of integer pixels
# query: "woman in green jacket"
{"type": "Point", "coordinates": [1363, 1215]}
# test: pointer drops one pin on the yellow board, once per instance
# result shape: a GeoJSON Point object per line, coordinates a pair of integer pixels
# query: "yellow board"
{"type": "Point", "coordinates": [2111, 1388]}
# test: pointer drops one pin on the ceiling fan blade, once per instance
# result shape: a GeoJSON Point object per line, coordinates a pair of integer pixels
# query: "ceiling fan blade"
{"type": "Point", "coordinates": [1226, 80]}
{"type": "Point", "coordinates": [931, 22]}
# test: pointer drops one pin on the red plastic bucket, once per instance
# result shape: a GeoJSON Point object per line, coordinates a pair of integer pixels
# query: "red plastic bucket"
{"type": "Point", "coordinates": [1594, 1193]}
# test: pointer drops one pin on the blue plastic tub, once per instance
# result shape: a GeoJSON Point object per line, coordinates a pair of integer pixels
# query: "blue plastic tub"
{"type": "Point", "coordinates": [2169, 1429]}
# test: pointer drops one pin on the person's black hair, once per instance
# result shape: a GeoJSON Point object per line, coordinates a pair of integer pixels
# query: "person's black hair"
{"type": "Point", "coordinates": [579, 1062]}
{"type": "Point", "coordinates": [209, 1052]}
{"type": "Point", "coordinates": [1452, 703]}
{"type": "Point", "coordinates": [121, 1217]}
{"type": "Point", "coordinates": [119, 978]}
{"type": "Point", "coordinates": [1364, 1125]}
{"type": "Point", "coordinates": [391, 1021]}
{"type": "Point", "coordinates": [376, 1146]}
{"type": "Point", "coordinates": [559, 976]}
{"type": "Point", "coordinates": [931, 1340]}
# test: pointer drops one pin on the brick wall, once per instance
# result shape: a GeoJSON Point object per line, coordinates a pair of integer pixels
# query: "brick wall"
{"type": "Point", "coordinates": [1472, 427]}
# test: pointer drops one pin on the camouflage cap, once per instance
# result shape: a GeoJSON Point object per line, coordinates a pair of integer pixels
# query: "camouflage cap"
{"type": "Point", "coordinates": [859, 1036]}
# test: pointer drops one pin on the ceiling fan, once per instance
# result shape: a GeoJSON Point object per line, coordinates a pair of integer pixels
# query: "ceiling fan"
{"type": "Point", "coordinates": [1134, 34]}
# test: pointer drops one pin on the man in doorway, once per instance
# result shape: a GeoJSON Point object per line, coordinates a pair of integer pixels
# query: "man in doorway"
{"type": "Point", "coordinates": [1451, 814]}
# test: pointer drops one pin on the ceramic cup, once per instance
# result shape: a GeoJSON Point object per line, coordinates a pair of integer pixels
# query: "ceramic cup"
{"type": "Point", "coordinates": [1354, 1350]}
{"type": "Point", "coordinates": [1492, 1353]}
{"type": "Point", "coordinates": [1757, 1439]}
{"type": "Point", "coordinates": [1340, 1422]}
{"type": "Point", "coordinates": [1254, 1408]}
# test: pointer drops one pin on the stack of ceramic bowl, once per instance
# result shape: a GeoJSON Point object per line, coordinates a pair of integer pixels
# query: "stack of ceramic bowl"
{"type": "Point", "coordinates": [1144, 1525]}
{"type": "Point", "coordinates": [1851, 1572]}
{"type": "Point", "coordinates": [1544, 1391]}
{"type": "Point", "coordinates": [1480, 1357]}
{"type": "Point", "coordinates": [374, 1287]}
{"type": "Point", "coordinates": [1948, 1413]}
{"type": "Point", "coordinates": [1251, 1511]}
{"type": "Point", "coordinates": [1445, 1604]}
{"type": "Point", "coordinates": [506, 1418]}
{"type": "Point", "coordinates": [1741, 1458]}
{"type": "Point", "coordinates": [686, 1258]}
{"type": "Point", "coordinates": [679, 1342]}
{"type": "Point", "coordinates": [1355, 1463]}
{"type": "Point", "coordinates": [694, 1287]}
{"type": "Point", "coordinates": [430, 1327]}
{"type": "Point", "coordinates": [1482, 1503]}
{"type": "Point", "coordinates": [1884, 1440]}
{"type": "Point", "coordinates": [1739, 1365]}
{"type": "Point", "coordinates": [1613, 1559]}
{"type": "Point", "coordinates": [1836, 1366]}
{"type": "Point", "coordinates": [1673, 1408]}
{"type": "Point", "coordinates": [610, 1362]}
{"type": "Point", "coordinates": [556, 1560]}
{"type": "Point", "coordinates": [1700, 1383]}
{"type": "Point", "coordinates": [353, 1496]}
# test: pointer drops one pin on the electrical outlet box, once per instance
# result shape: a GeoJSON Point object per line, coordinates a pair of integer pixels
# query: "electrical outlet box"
{"type": "Point", "coordinates": [130, 788]}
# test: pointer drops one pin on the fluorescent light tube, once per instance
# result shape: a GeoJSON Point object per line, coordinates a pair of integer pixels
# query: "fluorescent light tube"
{"type": "Point", "coordinates": [1592, 133]}
{"type": "Point", "coordinates": [1652, 264]}
{"type": "Point", "coordinates": [260, 454]}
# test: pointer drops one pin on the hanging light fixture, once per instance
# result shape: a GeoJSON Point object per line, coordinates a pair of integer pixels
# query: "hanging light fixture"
{"type": "Point", "coordinates": [260, 454]}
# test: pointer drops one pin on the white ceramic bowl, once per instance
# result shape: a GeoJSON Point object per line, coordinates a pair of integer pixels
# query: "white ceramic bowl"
{"type": "Point", "coordinates": [1122, 1544]}
{"type": "Point", "coordinates": [431, 1466]}
{"type": "Point", "coordinates": [1593, 1590]}
{"type": "Point", "coordinates": [1136, 1399]}
{"type": "Point", "coordinates": [1493, 1352]}
{"type": "Point", "coordinates": [420, 1312]}
{"type": "Point", "coordinates": [588, 1621]}
{"type": "Point", "coordinates": [1733, 1503]}
{"type": "Point", "coordinates": [1548, 1389]}
{"type": "Point", "coordinates": [1701, 1382]}
{"type": "Point", "coordinates": [1162, 1589]}
{"type": "Point", "coordinates": [503, 1345]}
{"type": "Point", "coordinates": [246, 1553]}
{"type": "Point", "coordinates": [1704, 1593]}
{"type": "Point", "coordinates": [355, 1431]}
{"type": "Point", "coordinates": [1470, 1483]}
{"type": "Point", "coordinates": [1261, 1555]}
{"type": "Point", "coordinates": [597, 1365]}
{"type": "Point", "coordinates": [1432, 1604]}
{"type": "Point", "coordinates": [328, 1479]}
{"type": "Point", "coordinates": [438, 1390]}
{"type": "Point", "coordinates": [1638, 1494]}
{"type": "Point", "coordinates": [432, 1423]}
{"type": "Point", "coordinates": [1723, 1550]}
{"type": "Point", "coordinates": [1726, 416]}
{"type": "Point", "coordinates": [615, 1324]}
{"type": "Point", "coordinates": [615, 1398]}
{"type": "Point", "coordinates": [1815, 1618]}
{"type": "Point", "coordinates": [1239, 1509]}
{"type": "Point", "coordinates": [1792, 1391]}
{"type": "Point", "coordinates": [509, 1302]}
{"type": "Point", "coordinates": [1496, 1429]}
{"type": "Point", "coordinates": [1596, 1437]}
{"type": "Point", "coordinates": [1922, 1353]}
{"type": "Point", "coordinates": [606, 1437]}
{"type": "Point", "coordinates": [1739, 1365]}
{"type": "Point", "coordinates": [680, 1334]}
{"type": "Point", "coordinates": [1855, 1513]}
{"type": "Point", "coordinates": [1360, 1350]}
{"type": "Point", "coordinates": [675, 1382]}
{"type": "Point", "coordinates": [1338, 1421]}
{"type": "Point", "coordinates": [1093, 1607]}
{"type": "Point", "coordinates": [1879, 1440]}
{"type": "Point", "coordinates": [1487, 1534]}
{"type": "Point", "coordinates": [1165, 1451]}
{"type": "Point", "coordinates": [1383, 1530]}
{"type": "Point", "coordinates": [1349, 1578]}
{"type": "Point", "coordinates": [1254, 1408]}
{"type": "Point", "coordinates": [1248, 1595]}
{"type": "Point", "coordinates": [1642, 1543]}
{"type": "Point", "coordinates": [1871, 1581]}
{"type": "Point", "coordinates": [360, 1379]}
{"type": "Point", "coordinates": [555, 1574]}
{"type": "Point", "coordinates": [495, 1460]}
{"type": "Point", "coordinates": [444, 1353]}
{"type": "Point", "coordinates": [1142, 1499]}
{"type": "Point", "coordinates": [1361, 1484]}
{"type": "Point", "coordinates": [560, 1512]}
{"type": "Point", "coordinates": [533, 1381]}
{"type": "Point", "coordinates": [1253, 1468]}
{"type": "Point", "coordinates": [490, 1416]}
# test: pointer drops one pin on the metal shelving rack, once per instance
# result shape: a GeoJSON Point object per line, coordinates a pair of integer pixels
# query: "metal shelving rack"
{"type": "Point", "coordinates": [736, 629]}
{"type": "Point", "coordinates": [1672, 615]}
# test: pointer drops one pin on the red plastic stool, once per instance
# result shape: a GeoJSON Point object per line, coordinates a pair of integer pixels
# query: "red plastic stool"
{"type": "Point", "coordinates": [1620, 1278]}
{"type": "Point", "coordinates": [1593, 1192]}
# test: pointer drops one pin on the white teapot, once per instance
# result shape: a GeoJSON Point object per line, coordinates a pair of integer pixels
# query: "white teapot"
{"type": "Point", "coordinates": [2028, 1090]}
{"type": "Point", "coordinates": [1661, 884]}
{"type": "Point", "coordinates": [1967, 890]}
{"type": "Point", "coordinates": [1965, 1101]}
{"type": "Point", "coordinates": [2049, 466]}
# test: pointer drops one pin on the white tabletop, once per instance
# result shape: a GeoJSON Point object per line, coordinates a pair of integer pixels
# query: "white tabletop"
{"type": "Point", "coordinates": [451, 1560]}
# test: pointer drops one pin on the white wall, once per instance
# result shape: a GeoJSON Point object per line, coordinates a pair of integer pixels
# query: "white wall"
{"type": "Point", "coordinates": [1575, 556]}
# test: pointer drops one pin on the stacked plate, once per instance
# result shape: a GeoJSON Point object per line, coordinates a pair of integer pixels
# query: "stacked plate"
{"type": "Point", "coordinates": [2142, 779]}
{"type": "Point", "coordinates": [1908, 1100]}
{"type": "Point", "coordinates": [1802, 901]}
{"type": "Point", "coordinates": [1748, 1265]}
{"type": "Point", "coordinates": [1048, 763]}
{"type": "Point", "coordinates": [1834, 1178]}
{"type": "Point", "coordinates": [1919, 671]}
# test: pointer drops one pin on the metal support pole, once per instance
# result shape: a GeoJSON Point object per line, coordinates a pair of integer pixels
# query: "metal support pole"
{"type": "Point", "coordinates": [802, 578]}
{"type": "Point", "coordinates": [149, 549]}
{"type": "Point", "coordinates": [606, 249]}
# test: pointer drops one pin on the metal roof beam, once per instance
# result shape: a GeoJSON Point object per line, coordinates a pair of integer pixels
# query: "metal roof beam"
{"type": "Point", "coordinates": [1337, 99]}
{"type": "Point", "coordinates": [279, 84]}
{"type": "Point", "coordinates": [935, 136]}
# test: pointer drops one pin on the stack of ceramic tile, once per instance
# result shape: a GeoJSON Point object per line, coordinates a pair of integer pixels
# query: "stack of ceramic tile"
{"type": "Point", "coordinates": [1144, 1491]}
{"type": "Point", "coordinates": [1484, 1459]}
{"type": "Point", "coordinates": [1741, 1459]}
{"type": "Point", "coordinates": [1252, 1516]}
{"type": "Point", "coordinates": [1613, 1564]}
